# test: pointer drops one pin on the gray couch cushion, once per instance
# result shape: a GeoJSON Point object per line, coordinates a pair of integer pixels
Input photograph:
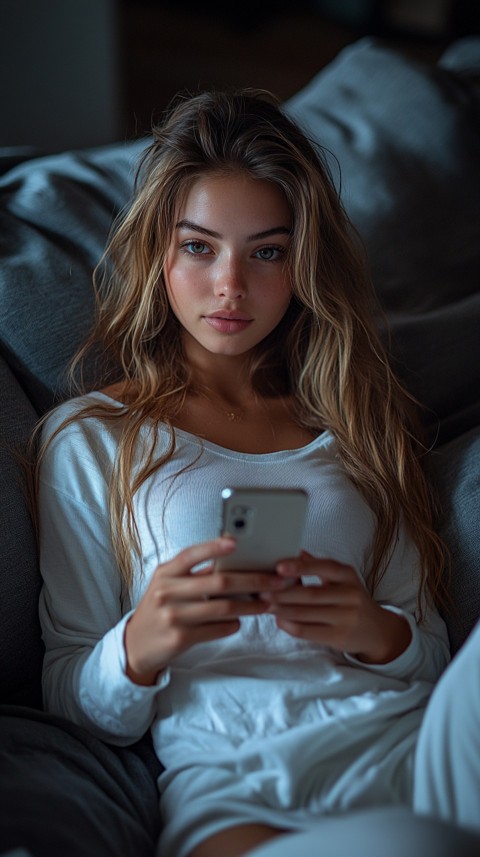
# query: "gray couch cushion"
{"type": "Point", "coordinates": [406, 137]}
{"type": "Point", "coordinates": [66, 794]}
{"type": "Point", "coordinates": [55, 216]}
{"type": "Point", "coordinates": [455, 470]}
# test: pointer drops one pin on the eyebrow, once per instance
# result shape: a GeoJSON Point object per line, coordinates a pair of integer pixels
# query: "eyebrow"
{"type": "Point", "coordinates": [257, 236]}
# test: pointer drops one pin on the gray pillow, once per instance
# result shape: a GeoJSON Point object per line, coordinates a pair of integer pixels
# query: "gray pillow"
{"type": "Point", "coordinates": [55, 216]}
{"type": "Point", "coordinates": [403, 144]}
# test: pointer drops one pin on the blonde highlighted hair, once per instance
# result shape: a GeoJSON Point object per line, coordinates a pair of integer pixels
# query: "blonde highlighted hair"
{"type": "Point", "coordinates": [326, 352]}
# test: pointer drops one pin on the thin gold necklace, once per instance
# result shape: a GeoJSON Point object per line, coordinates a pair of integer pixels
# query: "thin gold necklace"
{"type": "Point", "coordinates": [237, 415]}
{"type": "Point", "coordinates": [233, 416]}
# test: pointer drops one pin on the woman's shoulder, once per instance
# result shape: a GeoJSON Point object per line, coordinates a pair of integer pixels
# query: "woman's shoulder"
{"type": "Point", "coordinates": [81, 423]}
{"type": "Point", "coordinates": [79, 446]}
{"type": "Point", "coordinates": [77, 452]}
{"type": "Point", "coordinates": [117, 393]}
{"type": "Point", "coordinates": [90, 405]}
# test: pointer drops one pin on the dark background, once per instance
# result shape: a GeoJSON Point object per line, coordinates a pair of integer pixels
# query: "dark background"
{"type": "Point", "coordinates": [169, 46]}
{"type": "Point", "coordinates": [76, 73]}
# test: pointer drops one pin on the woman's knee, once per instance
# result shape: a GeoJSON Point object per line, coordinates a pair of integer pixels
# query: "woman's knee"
{"type": "Point", "coordinates": [447, 764]}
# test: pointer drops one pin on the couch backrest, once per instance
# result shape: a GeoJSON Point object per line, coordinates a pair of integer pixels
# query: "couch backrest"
{"type": "Point", "coordinates": [403, 142]}
{"type": "Point", "coordinates": [405, 137]}
{"type": "Point", "coordinates": [55, 215]}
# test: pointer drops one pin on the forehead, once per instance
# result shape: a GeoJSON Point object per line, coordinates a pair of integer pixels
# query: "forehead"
{"type": "Point", "coordinates": [221, 196]}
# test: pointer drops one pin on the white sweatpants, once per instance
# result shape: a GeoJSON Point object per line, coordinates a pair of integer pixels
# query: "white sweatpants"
{"type": "Point", "coordinates": [386, 832]}
{"type": "Point", "coordinates": [446, 806]}
{"type": "Point", "coordinates": [447, 761]}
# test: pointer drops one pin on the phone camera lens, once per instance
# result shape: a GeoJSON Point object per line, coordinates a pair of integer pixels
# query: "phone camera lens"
{"type": "Point", "coordinates": [239, 523]}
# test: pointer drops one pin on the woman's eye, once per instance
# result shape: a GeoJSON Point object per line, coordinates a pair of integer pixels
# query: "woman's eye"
{"type": "Point", "coordinates": [196, 248]}
{"type": "Point", "coordinates": [270, 254]}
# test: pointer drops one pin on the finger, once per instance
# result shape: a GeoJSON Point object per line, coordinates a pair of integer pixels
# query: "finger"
{"type": "Point", "coordinates": [321, 634]}
{"type": "Point", "coordinates": [208, 584]}
{"type": "Point", "coordinates": [245, 582]}
{"type": "Point", "coordinates": [324, 635]}
{"type": "Point", "coordinates": [327, 596]}
{"type": "Point", "coordinates": [182, 614]}
{"type": "Point", "coordinates": [184, 561]}
{"type": "Point", "coordinates": [327, 570]}
{"type": "Point", "coordinates": [302, 615]}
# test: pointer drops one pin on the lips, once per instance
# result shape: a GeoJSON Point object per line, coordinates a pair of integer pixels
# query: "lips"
{"type": "Point", "coordinates": [228, 321]}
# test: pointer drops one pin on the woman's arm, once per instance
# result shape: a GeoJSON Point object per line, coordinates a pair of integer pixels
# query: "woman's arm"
{"type": "Point", "coordinates": [84, 675]}
{"type": "Point", "coordinates": [104, 662]}
{"type": "Point", "coordinates": [82, 612]}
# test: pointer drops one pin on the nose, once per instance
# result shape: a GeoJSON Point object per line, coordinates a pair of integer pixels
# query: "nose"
{"type": "Point", "coordinates": [231, 280]}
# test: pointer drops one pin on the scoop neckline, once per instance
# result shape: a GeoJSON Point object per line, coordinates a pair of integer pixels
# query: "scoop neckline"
{"type": "Point", "coordinates": [320, 440]}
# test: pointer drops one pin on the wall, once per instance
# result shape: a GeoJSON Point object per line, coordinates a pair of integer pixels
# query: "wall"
{"type": "Point", "coordinates": [59, 83]}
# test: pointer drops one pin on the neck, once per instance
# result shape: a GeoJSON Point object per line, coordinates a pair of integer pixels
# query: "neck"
{"type": "Point", "coordinates": [229, 377]}
{"type": "Point", "coordinates": [228, 380]}
{"type": "Point", "coordinates": [228, 392]}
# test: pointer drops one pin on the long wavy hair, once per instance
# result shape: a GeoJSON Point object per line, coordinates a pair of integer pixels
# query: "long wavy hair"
{"type": "Point", "coordinates": [326, 352]}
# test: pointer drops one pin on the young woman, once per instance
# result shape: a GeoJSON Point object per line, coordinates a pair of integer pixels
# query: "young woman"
{"type": "Point", "coordinates": [234, 302]}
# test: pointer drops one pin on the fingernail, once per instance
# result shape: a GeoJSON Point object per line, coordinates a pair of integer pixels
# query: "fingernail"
{"type": "Point", "coordinates": [286, 568]}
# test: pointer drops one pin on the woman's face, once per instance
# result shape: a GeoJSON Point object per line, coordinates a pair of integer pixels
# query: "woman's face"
{"type": "Point", "coordinates": [225, 271]}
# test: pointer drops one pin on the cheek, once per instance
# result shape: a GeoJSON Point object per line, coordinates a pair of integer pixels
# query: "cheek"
{"type": "Point", "coordinates": [176, 285]}
{"type": "Point", "coordinates": [184, 280]}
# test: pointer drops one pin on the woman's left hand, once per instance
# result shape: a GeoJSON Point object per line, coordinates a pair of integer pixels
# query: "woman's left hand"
{"type": "Point", "coordinates": [339, 612]}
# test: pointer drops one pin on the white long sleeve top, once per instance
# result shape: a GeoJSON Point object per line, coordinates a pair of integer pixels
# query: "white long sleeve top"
{"type": "Point", "coordinates": [232, 694]}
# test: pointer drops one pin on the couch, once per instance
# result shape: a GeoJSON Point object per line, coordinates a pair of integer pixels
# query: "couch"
{"type": "Point", "coordinates": [402, 138]}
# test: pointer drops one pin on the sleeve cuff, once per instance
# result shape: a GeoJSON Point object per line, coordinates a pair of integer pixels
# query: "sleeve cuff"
{"type": "Point", "coordinates": [108, 696]}
{"type": "Point", "coordinates": [403, 666]}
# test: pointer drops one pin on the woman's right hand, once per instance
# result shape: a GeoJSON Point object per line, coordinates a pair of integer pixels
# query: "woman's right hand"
{"type": "Point", "coordinates": [181, 608]}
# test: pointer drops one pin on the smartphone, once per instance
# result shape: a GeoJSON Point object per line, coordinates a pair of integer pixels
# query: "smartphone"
{"type": "Point", "coordinates": [267, 523]}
